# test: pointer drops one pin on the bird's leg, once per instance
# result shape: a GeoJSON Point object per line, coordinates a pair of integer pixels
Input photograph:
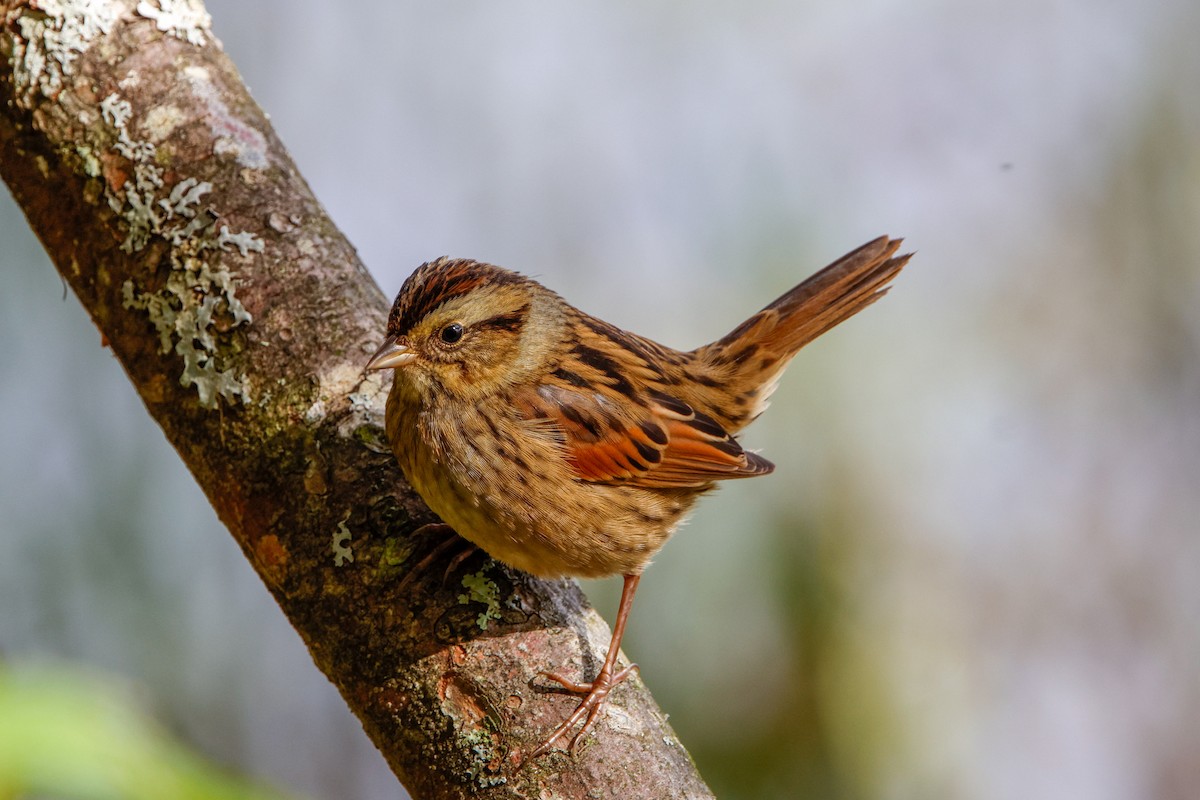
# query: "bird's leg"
{"type": "Point", "coordinates": [596, 692]}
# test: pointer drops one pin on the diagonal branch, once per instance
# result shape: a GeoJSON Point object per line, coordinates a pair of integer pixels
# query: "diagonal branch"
{"type": "Point", "coordinates": [243, 319]}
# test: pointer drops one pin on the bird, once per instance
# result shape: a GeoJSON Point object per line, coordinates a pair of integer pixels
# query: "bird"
{"type": "Point", "coordinates": [564, 446]}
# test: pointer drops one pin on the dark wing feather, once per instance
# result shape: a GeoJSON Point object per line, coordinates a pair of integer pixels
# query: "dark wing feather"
{"type": "Point", "coordinates": [660, 443]}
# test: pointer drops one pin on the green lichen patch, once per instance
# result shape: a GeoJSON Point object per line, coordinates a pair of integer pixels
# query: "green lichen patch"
{"type": "Point", "coordinates": [481, 589]}
{"type": "Point", "coordinates": [342, 552]}
{"type": "Point", "coordinates": [478, 749]}
{"type": "Point", "coordinates": [396, 551]}
{"type": "Point", "coordinates": [486, 757]}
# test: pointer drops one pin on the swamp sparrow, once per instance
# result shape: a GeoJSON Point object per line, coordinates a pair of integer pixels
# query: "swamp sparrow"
{"type": "Point", "coordinates": [564, 446]}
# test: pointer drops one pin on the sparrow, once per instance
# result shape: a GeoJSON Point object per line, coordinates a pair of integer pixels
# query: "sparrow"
{"type": "Point", "coordinates": [565, 446]}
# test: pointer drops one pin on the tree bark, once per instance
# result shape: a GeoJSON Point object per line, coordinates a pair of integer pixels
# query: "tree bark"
{"type": "Point", "coordinates": [243, 319]}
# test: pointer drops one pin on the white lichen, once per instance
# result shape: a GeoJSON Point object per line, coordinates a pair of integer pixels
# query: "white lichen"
{"type": "Point", "coordinates": [373, 387]}
{"type": "Point", "coordinates": [183, 313]}
{"type": "Point", "coordinates": [116, 111]}
{"type": "Point", "coordinates": [315, 413]}
{"type": "Point", "coordinates": [360, 401]}
{"type": "Point", "coordinates": [198, 295]}
{"type": "Point", "coordinates": [136, 199]}
{"type": "Point", "coordinates": [183, 19]}
{"type": "Point", "coordinates": [342, 554]}
{"type": "Point", "coordinates": [45, 52]}
{"type": "Point", "coordinates": [244, 241]}
{"type": "Point", "coordinates": [198, 298]}
{"type": "Point", "coordinates": [87, 159]}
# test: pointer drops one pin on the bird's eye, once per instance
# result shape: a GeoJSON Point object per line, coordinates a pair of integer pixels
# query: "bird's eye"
{"type": "Point", "coordinates": [452, 333]}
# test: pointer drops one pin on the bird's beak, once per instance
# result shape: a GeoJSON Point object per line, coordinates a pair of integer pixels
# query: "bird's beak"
{"type": "Point", "coordinates": [390, 355]}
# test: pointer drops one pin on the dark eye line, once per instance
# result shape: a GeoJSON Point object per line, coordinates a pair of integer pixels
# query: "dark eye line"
{"type": "Point", "coordinates": [511, 321]}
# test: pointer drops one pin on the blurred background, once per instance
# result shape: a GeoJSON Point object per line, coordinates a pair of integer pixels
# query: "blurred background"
{"type": "Point", "coordinates": [976, 571]}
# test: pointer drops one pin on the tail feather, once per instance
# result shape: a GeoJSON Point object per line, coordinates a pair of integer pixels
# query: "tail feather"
{"type": "Point", "coordinates": [827, 298]}
{"type": "Point", "coordinates": [755, 353]}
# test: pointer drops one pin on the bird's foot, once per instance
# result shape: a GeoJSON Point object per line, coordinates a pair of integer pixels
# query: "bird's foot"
{"type": "Point", "coordinates": [595, 694]}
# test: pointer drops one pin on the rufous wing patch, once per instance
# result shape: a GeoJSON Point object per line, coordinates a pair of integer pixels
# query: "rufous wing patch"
{"type": "Point", "coordinates": [659, 443]}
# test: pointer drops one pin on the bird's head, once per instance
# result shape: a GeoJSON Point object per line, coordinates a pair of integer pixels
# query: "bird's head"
{"type": "Point", "coordinates": [465, 328]}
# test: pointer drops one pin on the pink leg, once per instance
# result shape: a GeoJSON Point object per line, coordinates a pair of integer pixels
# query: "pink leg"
{"type": "Point", "coordinates": [596, 692]}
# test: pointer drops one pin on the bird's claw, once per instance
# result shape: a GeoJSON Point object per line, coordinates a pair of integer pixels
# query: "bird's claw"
{"type": "Point", "coordinates": [595, 694]}
{"type": "Point", "coordinates": [450, 539]}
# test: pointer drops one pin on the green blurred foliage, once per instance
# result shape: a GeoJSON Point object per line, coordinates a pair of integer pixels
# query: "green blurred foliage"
{"type": "Point", "coordinates": [69, 734]}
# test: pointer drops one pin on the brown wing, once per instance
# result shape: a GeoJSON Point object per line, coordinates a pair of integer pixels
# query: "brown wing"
{"type": "Point", "coordinates": [661, 442]}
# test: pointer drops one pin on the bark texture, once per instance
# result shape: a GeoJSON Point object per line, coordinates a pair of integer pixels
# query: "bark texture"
{"type": "Point", "coordinates": [243, 319]}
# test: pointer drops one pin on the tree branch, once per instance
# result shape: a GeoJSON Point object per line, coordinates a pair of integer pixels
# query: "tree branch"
{"type": "Point", "coordinates": [243, 319]}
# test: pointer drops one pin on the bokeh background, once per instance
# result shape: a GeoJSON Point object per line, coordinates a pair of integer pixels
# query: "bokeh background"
{"type": "Point", "coordinates": [976, 571]}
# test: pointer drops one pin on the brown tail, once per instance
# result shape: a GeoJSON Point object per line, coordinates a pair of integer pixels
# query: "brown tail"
{"type": "Point", "coordinates": [754, 354]}
{"type": "Point", "coordinates": [832, 295]}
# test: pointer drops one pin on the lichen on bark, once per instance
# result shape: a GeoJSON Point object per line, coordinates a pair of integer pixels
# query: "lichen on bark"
{"type": "Point", "coordinates": [243, 319]}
